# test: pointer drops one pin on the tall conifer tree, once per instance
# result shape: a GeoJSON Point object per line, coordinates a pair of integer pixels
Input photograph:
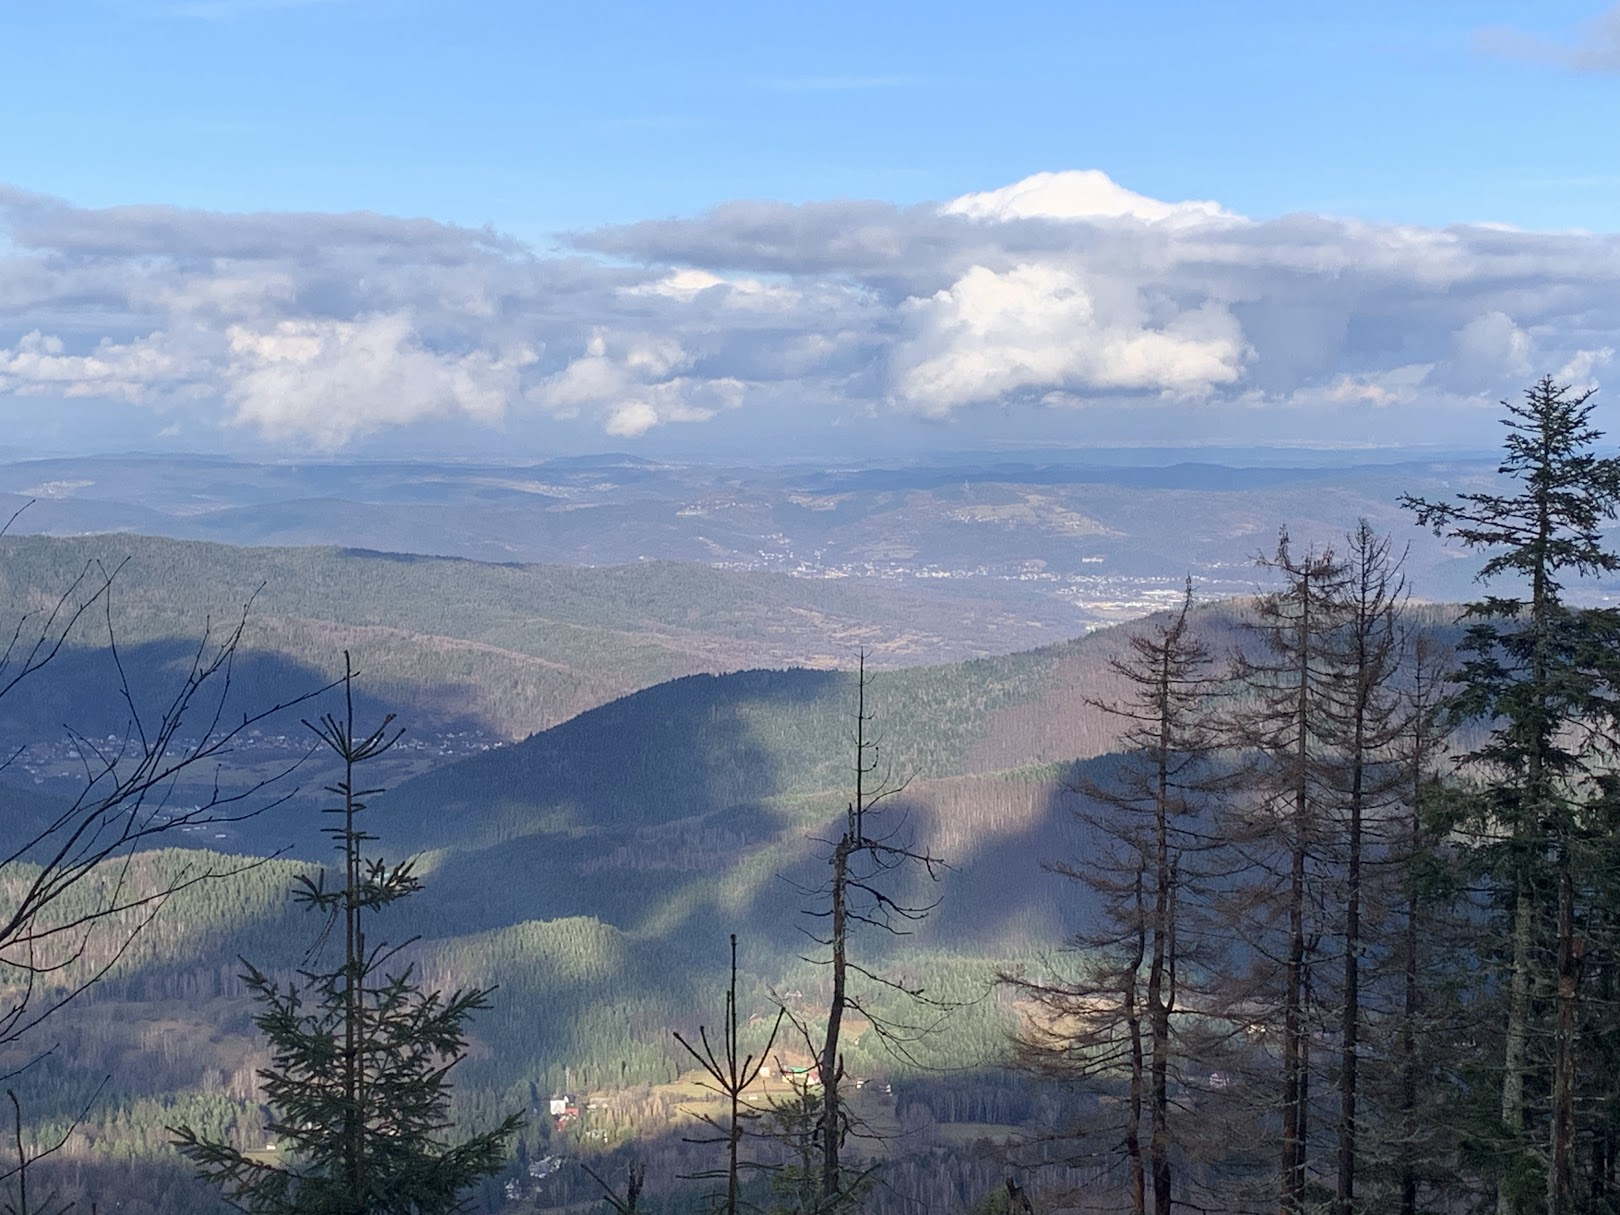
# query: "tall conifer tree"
{"type": "Point", "coordinates": [1365, 722]}
{"type": "Point", "coordinates": [1539, 674]}
{"type": "Point", "coordinates": [1283, 724]}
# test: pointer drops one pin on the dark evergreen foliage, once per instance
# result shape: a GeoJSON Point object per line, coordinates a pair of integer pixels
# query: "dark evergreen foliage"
{"type": "Point", "coordinates": [358, 1083]}
{"type": "Point", "coordinates": [1542, 676]}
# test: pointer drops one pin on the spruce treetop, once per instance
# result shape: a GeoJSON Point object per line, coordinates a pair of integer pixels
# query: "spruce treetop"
{"type": "Point", "coordinates": [1565, 491]}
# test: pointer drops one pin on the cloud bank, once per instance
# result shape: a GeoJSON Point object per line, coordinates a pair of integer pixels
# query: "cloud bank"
{"type": "Point", "coordinates": [1063, 292]}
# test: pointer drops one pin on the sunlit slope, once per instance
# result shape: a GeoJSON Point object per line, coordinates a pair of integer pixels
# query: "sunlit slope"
{"type": "Point", "coordinates": [593, 873]}
{"type": "Point", "coordinates": [703, 744]}
{"type": "Point", "coordinates": [761, 738]}
{"type": "Point", "coordinates": [705, 799]}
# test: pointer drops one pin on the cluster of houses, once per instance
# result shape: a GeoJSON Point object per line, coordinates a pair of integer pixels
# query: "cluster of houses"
{"type": "Point", "coordinates": [564, 1110]}
{"type": "Point", "coordinates": [539, 1170]}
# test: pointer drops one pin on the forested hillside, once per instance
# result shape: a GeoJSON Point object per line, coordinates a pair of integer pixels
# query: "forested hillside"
{"type": "Point", "coordinates": [504, 648]}
{"type": "Point", "coordinates": [1304, 898]}
{"type": "Point", "coordinates": [593, 870]}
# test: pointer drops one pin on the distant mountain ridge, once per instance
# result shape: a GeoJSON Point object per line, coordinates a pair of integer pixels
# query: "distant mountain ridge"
{"type": "Point", "coordinates": [1089, 540]}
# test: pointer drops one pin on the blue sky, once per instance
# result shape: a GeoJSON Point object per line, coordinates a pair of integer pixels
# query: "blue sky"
{"type": "Point", "coordinates": [536, 116]}
{"type": "Point", "coordinates": [564, 127]}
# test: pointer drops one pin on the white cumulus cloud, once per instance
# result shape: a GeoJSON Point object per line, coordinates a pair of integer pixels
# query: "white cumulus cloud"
{"type": "Point", "coordinates": [634, 386]}
{"type": "Point", "coordinates": [1063, 288]}
{"type": "Point", "coordinates": [329, 381]}
{"type": "Point", "coordinates": [138, 371]}
{"type": "Point", "coordinates": [1040, 328]}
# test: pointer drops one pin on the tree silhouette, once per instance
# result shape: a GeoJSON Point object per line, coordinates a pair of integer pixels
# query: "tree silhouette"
{"type": "Point", "coordinates": [859, 893]}
{"type": "Point", "coordinates": [729, 1074]}
{"type": "Point", "coordinates": [1136, 1006]}
{"type": "Point", "coordinates": [54, 947]}
{"type": "Point", "coordinates": [1367, 719]}
{"type": "Point", "coordinates": [358, 1082]}
{"type": "Point", "coordinates": [1281, 725]}
{"type": "Point", "coordinates": [71, 904]}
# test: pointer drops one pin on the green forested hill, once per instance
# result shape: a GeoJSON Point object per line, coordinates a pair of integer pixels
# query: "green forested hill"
{"type": "Point", "coordinates": [706, 743]}
{"type": "Point", "coordinates": [593, 871]}
{"type": "Point", "coordinates": [511, 649]}
{"type": "Point", "coordinates": [760, 741]}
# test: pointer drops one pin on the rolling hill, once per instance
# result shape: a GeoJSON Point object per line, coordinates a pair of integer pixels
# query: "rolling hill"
{"type": "Point", "coordinates": [1094, 536]}
{"type": "Point", "coordinates": [506, 649]}
{"type": "Point", "coordinates": [634, 836]}
{"type": "Point", "coordinates": [593, 871]}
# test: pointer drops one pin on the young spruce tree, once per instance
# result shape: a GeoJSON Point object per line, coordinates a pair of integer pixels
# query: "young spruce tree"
{"type": "Point", "coordinates": [360, 1055]}
{"type": "Point", "coordinates": [729, 1076]}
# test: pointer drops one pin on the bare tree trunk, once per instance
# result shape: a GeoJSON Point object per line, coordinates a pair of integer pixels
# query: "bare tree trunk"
{"type": "Point", "coordinates": [860, 860]}
{"type": "Point", "coordinates": [1115, 1021]}
{"type": "Point", "coordinates": [1369, 724]}
{"type": "Point", "coordinates": [1350, 1022]}
{"type": "Point", "coordinates": [1294, 1092]}
{"type": "Point", "coordinates": [1406, 1042]}
{"type": "Point", "coordinates": [1428, 683]}
{"type": "Point", "coordinates": [1288, 722]}
{"type": "Point", "coordinates": [1293, 1063]}
{"type": "Point", "coordinates": [831, 1062]}
{"type": "Point", "coordinates": [1602, 1189]}
{"type": "Point", "coordinates": [1517, 1041]}
{"type": "Point", "coordinates": [1561, 1178]}
{"type": "Point", "coordinates": [1160, 1150]}
{"type": "Point", "coordinates": [1160, 989]}
{"type": "Point", "coordinates": [1305, 1004]}
{"type": "Point", "coordinates": [734, 1091]}
{"type": "Point", "coordinates": [1131, 976]}
{"type": "Point", "coordinates": [1408, 1068]}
